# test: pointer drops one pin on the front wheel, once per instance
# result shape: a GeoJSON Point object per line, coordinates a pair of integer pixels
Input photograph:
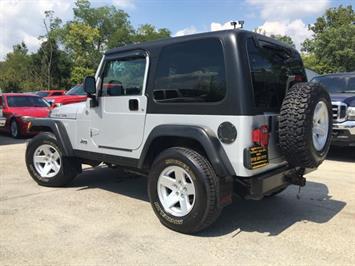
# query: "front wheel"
{"type": "Point", "coordinates": [182, 189]}
{"type": "Point", "coordinates": [14, 129]}
{"type": "Point", "coordinates": [46, 163]}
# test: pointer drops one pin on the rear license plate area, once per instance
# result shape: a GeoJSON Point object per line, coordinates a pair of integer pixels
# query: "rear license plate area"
{"type": "Point", "coordinates": [255, 157]}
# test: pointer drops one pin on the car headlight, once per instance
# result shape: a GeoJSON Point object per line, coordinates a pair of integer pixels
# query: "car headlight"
{"type": "Point", "coordinates": [25, 118]}
{"type": "Point", "coordinates": [351, 113]}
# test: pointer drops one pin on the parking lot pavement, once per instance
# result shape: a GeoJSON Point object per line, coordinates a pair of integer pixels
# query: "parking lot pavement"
{"type": "Point", "coordinates": [104, 218]}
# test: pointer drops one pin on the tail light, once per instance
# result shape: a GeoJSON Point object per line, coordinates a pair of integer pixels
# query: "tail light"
{"type": "Point", "coordinates": [260, 136]}
{"type": "Point", "coordinates": [299, 78]}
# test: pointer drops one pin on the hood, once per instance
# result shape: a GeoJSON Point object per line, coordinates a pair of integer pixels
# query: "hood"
{"type": "Point", "coordinates": [65, 98]}
{"type": "Point", "coordinates": [348, 98]}
{"type": "Point", "coordinates": [67, 111]}
{"type": "Point", "coordinates": [30, 111]}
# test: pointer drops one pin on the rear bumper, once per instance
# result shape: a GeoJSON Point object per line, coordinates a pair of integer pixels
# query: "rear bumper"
{"type": "Point", "coordinates": [344, 134]}
{"type": "Point", "coordinates": [263, 184]}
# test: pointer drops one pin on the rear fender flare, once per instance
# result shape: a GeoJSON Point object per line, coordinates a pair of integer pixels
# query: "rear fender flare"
{"type": "Point", "coordinates": [204, 136]}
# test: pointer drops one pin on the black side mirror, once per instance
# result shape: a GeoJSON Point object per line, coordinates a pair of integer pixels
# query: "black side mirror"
{"type": "Point", "coordinates": [89, 85]}
{"type": "Point", "coordinates": [90, 88]}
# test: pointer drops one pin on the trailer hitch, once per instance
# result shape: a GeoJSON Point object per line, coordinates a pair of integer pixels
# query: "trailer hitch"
{"type": "Point", "coordinates": [295, 177]}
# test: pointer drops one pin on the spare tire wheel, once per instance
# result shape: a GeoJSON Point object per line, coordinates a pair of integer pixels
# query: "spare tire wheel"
{"type": "Point", "coordinates": [305, 125]}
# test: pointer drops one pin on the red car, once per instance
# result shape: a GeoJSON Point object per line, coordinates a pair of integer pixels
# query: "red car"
{"type": "Point", "coordinates": [50, 93]}
{"type": "Point", "coordinates": [16, 108]}
{"type": "Point", "coordinates": [74, 95]}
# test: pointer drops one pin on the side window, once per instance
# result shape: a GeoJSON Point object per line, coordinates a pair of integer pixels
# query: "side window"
{"type": "Point", "coordinates": [191, 72]}
{"type": "Point", "coordinates": [273, 70]}
{"type": "Point", "coordinates": [57, 94]}
{"type": "Point", "coordinates": [351, 85]}
{"type": "Point", "coordinates": [123, 77]}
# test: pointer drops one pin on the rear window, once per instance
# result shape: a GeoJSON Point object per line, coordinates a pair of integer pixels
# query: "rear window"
{"type": "Point", "coordinates": [274, 69]}
{"type": "Point", "coordinates": [76, 90]}
{"type": "Point", "coordinates": [26, 101]}
{"type": "Point", "coordinates": [351, 84]}
{"type": "Point", "coordinates": [42, 93]}
{"type": "Point", "coordinates": [191, 72]}
{"type": "Point", "coordinates": [58, 93]}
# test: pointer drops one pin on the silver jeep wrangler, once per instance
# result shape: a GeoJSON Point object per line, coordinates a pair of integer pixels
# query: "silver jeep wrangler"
{"type": "Point", "coordinates": [202, 116]}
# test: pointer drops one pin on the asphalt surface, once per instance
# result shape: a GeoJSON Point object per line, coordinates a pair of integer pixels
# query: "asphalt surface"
{"type": "Point", "coordinates": [104, 218]}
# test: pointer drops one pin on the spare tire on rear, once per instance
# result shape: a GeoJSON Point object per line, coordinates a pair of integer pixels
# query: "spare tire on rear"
{"type": "Point", "coordinates": [305, 125]}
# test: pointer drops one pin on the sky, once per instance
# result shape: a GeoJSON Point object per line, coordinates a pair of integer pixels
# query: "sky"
{"type": "Point", "coordinates": [22, 20]}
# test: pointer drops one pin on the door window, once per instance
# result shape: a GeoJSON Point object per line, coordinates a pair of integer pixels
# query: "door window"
{"type": "Point", "coordinates": [123, 77]}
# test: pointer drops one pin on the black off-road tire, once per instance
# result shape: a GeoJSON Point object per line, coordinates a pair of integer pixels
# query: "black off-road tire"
{"type": "Point", "coordinates": [205, 210]}
{"type": "Point", "coordinates": [69, 169]}
{"type": "Point", "coordinates": [296, 123]}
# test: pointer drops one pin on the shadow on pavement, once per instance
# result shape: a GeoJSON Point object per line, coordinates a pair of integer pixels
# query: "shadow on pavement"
{"type": "Point", "coordinates": [7, 140]}
{"type": "Point", "coordinates": [345, 154]}
{"type": "Point", "coordinates": [271, 216]}
{"type": "Point", "coordinates": [274, 215]}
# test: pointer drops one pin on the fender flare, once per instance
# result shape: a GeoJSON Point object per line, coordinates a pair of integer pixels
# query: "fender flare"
{"type": "Point", "coordinates": [57, 128]}
{"type": "Point", "coordinates": [205, 136]}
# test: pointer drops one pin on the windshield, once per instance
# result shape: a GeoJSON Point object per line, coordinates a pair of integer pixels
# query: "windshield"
{"type": "Point", "coordinates": [336, 84]}
{"type": "Point", "coordinates": [76, 90]}
{"type": "Point", "coordinates": [42, 93]}
{"type": "Point", "coordinates": [26, 101]}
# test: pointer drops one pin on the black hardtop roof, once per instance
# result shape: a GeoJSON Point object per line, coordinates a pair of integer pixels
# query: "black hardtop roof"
{"type": "Point", "coordinates": [217, 34]}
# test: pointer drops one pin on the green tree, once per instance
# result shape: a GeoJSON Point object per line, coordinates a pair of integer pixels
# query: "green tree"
{"type": "Point", "coordinates": [113, 25]}
{"type": "Point", "coordinates": [60, 69]}
{"type": "Point", "coordinates": [80, 42]}
{"type": "Point", "coordinates": [148, 32]}
{"type": "Point", "coordinates": [285, 39]}
{"type": "Point", "coordinates": [52, 26]}
{"type": "Point", "coordinates": [332, 48]}
{"type": "Point", "coordinates": [15, 75]}
{"type": "Point", "coordinates": [94, 30]}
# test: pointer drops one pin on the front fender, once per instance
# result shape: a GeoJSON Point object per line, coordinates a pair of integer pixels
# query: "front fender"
{"type": "Point", "coordinates": [57, 128]}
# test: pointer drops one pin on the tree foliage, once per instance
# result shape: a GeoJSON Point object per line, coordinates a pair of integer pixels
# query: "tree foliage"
{"type": "Point", "coordinates": [285, 39]}
{"type": "Point", "coordinates": [332, 48]}
{"type": "Point", "coordinates": [15, 71]}
{"type": "Point", "coordinates": [148, 32]}
{"type": "Point", "coordinates": [72, 51]}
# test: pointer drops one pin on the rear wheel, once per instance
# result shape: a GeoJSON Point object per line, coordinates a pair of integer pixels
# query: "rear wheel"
{"type": "Point", "coordinates": [46, 163]}
{"type": "Point", "coordinates": [182, 189]}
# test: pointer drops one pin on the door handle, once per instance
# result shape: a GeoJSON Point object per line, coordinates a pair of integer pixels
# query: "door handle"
{"type": "Point", "coordinates": [133, 104]}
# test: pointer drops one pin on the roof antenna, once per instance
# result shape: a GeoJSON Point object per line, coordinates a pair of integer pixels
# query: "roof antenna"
{"type": "Point", "coordinates": [241, 23]}
{"type": "Point", "coordinates": [235, 23]}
